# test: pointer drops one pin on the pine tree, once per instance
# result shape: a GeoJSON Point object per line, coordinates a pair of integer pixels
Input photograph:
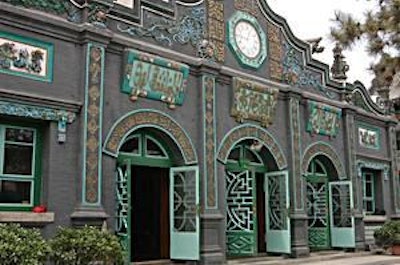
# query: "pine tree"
{"type": "Point", "coordinates": [381, 28]}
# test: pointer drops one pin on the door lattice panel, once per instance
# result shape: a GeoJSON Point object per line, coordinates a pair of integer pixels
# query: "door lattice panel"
{"type": "Point", "coordinates": [240, 213]}
{"type": "Point", "coordinates": [122, 198]}
{"type": "Point", "coordinates": [317, 210]}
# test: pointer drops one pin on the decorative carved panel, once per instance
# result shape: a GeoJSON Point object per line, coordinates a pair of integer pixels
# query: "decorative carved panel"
{"type": "Point", "coordinates": [254, 101]}
{"type": "Point", "coordinates": [369, 136]}
{"type": "Point", "coordinates": [323, 119]}
{"type": "Point", "coordinates": [154, 77]}
{"type": "Point", "coordinates": [26, 57]}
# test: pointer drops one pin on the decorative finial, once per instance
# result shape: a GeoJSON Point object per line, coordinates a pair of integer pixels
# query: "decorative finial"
{"type": "Point", "coordinates": [339, 67]}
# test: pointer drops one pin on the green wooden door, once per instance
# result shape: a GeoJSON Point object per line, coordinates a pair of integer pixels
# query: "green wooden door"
{"type": "Point", "coordinates": [241, 227]}
{"type": "Point", "coordinates": [318, 206]}
{"type": "Point", "coordinates": [184, 213]}
{"type": "Point", "coordinates": [123, 204]}
{"type": "Point", "coordinates": [342, 220]}
{"type": "Point", "coordinates": [277, 215]}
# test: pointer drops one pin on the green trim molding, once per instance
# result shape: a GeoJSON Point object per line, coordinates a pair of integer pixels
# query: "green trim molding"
{"type": "Point", "coordinates": [323, 119]}
{"type": "Point", "coordinates": [369, 164]}
{"type": "Point", "coordinates": [244, 60]}
{"type": "Point", "coordinates": [26, 57]}
{"type": "Point", "coordinates": [154, 77]}
{"type": "Point", "coordinates": [253, 101]}
{"type": "Point", "coordinates": [40, 113]}
{"type": "Point", "coordinates": [368, 136]}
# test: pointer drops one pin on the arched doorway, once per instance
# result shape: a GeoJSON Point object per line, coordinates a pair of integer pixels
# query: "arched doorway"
{"type": "Point", "coordinates": [329, 204]}
{"type": "Point", "coordinates": [157, 200]}
{"type": "Point", "coordinates": [256, 201]}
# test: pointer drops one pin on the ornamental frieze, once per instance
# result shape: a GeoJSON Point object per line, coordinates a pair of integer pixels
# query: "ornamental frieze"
{"type": "Point", "coordinates": [296, 74]}
{"type": "Point", "coordinates": [154, 77]}
{"type": "Point", "coordinates": [190, 28]}
{"type": "Point", "coordinates": [253, 101]}
{"type": "Point", "coordinates": [26, 57]}
{"type": "Point", "coordinates": [323, 119]}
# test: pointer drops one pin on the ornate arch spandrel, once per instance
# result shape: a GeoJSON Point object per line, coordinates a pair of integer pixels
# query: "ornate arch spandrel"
{"type": "Point", "coordinates": [321, 148]}
{"type": "Point", "coordinates": [244, 132]}
{"type": "Point", "coordinates": [153, 119]}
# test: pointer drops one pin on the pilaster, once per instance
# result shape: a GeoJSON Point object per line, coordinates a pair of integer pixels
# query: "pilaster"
{"type": "Point", "coordinates": [212, 220]}
{"type": "Point", "coordinates": [298, 215]}
{"type": "Point", "coordinates": [90, 209]}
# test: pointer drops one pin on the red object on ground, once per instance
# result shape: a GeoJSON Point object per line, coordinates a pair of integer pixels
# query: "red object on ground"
{"type": "Point", "coordinates": [39, 209]}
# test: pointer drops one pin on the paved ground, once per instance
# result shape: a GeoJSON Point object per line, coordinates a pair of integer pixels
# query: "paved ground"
{"type": "Point", "coordinates": [330, 258]}
{"type": "Point", "coordinates": [365, 260]}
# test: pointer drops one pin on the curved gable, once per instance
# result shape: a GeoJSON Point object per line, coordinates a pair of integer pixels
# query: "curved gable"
{"type": "Point", "coordinates": [360, 98]}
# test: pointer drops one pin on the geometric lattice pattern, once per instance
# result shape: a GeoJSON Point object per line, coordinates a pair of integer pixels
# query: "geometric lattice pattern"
{"type": "Point", "coordinates": [317, 211]}
{"type": "Point", "coordinates": [240, 245]}
{"type": "Point", "coordinates": [240, 226]}
{"type": "Point", "coordinates": [341, 205]}
{"type": "Point", "coordinates": [277, 211]}
{"type": "Point", "coordinates": [240, 201]}
{"type": "Point", "coordinates": [318, 238]}
{"type": "Point", "coordinates": [185, 207]}
{"type": "Point", "coordinates": [122, 203]}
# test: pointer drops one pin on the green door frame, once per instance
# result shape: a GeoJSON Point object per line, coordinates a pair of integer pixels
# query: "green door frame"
{"type": "Point", "coordinates": [139, 158]}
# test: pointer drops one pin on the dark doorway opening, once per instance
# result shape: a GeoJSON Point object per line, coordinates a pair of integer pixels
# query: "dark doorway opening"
{"type": "Point", "coordinates": [150, 214]}
{"type": "Point", "coordinates": [261, 234]}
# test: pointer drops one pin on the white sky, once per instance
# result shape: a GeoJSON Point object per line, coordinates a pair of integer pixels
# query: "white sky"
{"type": "Point", "coordinates": [313, 18]}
